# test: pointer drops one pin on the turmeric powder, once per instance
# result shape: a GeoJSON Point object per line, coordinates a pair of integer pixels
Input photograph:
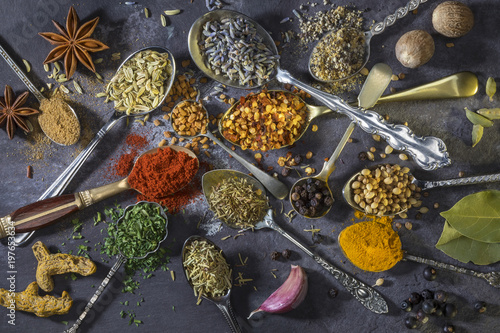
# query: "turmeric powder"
{"type": "Point", "coordinates": [371, 246]}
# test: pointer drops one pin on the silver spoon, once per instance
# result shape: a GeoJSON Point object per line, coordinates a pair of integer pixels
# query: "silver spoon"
{"type": "Point", "coordinates": [423, 184]}
{"type": "Point", "coordinates": [34, 91]}
{"type": "Point", "coordinates": [428, 152]}
{"type": "Point", "coordinates": [60, 184]}
{"type": "Point", "coordinates": [376, 29]}
{"type": "Point", "coordinates": [377, 80]}
{"type": "Point", "coordinates": [493, 278]}
{"type": "Point", "coordinates": [369, 297]}
{"type": "Point", "coordinates": [222, 302]}
{"type": "Point", "coordinates": [276, 187]}
{"type": "Point", "coordinates": [120, 260]}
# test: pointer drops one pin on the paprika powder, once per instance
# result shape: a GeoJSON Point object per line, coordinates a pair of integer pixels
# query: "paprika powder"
{"type": "Point", "coordinates": [162, 173]}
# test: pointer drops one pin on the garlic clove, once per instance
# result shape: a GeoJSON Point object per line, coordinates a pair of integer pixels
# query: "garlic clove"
{"type": "Point", "coordinates": [288, 296]}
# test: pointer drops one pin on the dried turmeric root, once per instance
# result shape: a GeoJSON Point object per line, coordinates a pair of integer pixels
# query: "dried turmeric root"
{"type": "Point", "coordinates": [58, 263]}
{"type": "Point", "coordinates": [30, 301]}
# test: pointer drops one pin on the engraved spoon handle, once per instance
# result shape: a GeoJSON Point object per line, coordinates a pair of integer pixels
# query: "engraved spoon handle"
{"type": "Point", "coordinates": [366, 295]}
{"type": "Point", "coordinates": [428, 152]}
{"type": "Point", "coordinates": [120, 261]}
{"type": "Point", "coordinates": [401, 12]}
{"type": "Point", "coordinates": [461, 181]}
{"type": "Point", "coordinates": [21, 75]}
{"type": "Point", "coordinates": [489, 277]}
{"type": "Point", "coordinates": [227, 311]}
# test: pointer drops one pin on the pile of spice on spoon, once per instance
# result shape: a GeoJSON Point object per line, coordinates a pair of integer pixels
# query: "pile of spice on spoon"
{"type": "Point", "coordinates": [162, 173]}
{"type": "Point", "coordinates": [58, 121]}
{"type": "Point", "coordinates": [266, 120]}
{"type": "Point", "coordinates": [237, 203]}
{"type": "Point", "coordinates": [233, 48]}
{"type": "Point", "coordinates": [206, 269]}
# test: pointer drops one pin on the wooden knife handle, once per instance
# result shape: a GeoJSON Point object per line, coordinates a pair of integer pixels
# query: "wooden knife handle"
{"type": "Point", "coordinates": [43, 213]}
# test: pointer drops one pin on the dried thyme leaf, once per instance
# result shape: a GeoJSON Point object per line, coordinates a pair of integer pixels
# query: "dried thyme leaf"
{"type": "Point", "coordinates": [478, 119]}
{"type": "Point", "coordinates": [477, 134]}
{"type": "Point", "coordinates": [491, 88]}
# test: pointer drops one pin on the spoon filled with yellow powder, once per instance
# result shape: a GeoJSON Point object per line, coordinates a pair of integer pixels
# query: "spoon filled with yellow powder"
{"type": "Point", "coordinates": [375, 247]}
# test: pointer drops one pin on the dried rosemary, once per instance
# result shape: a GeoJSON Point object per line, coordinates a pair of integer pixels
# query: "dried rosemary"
{"type": "Point", "coordinates": [237, 203]}
{"type": "Point", "coordinates": [206, 269]}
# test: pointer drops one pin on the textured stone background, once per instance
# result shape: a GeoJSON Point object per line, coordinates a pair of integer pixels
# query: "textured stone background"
{"type": "Point", "coordinates": [125, 29]}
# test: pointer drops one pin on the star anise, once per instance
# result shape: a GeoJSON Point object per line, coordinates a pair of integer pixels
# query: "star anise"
{"type": "Point", "coordinates": [11, 111]}
{"type": "Point", "coordinates": [73, 43]}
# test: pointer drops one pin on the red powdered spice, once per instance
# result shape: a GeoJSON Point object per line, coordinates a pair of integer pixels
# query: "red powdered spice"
{"type": "Point", "coordinates": [136, 141]}
{"type": "Point", "coordinates": [125, 164]}
{"type": "Point", "coordinates": [162, 173]}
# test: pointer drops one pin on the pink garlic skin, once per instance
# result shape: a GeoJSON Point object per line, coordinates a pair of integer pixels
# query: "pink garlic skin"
{"type": "Point", "coordinates": [289, 296]}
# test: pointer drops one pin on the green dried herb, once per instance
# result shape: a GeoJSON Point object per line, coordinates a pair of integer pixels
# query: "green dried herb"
{"type": "Point", "coordinates": [141, 230]}
{"type": "Point", "coordinates": [206, 269]}
{"type": "Point", "coordinates": [491, 114]}
{"type": "Point", "coordinates": [491, 88]}
{"type": "Point", "coordinates": [237, 203]}
{"type": "Point", "coordinates": [477, 134]}
{"type": "Point", "coordinates": [478, 119]}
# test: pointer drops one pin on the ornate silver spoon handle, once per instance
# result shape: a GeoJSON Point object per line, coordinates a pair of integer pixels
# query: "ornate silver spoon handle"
{"type": "Point", "coordinates": [366, 295]}
{"type": "Point", "coordinates": [21, 75]}
{"type": "Point", "coordinates": [429, 152]}
{"type": "Point", "coordinates": [120, 261]}
{"type": "Point", "coordinates": [493, 278]}
{"type": "Point", "coordinates": [461, 181]}
{"type": "Point", "coordinates": [227, 311]}
{"type": "Point", "coordinates": [379, 27]}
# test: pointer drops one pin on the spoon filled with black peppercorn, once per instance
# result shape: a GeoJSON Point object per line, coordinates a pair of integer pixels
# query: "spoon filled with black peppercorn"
{"type": "Point", "coordinates": [240, 202]}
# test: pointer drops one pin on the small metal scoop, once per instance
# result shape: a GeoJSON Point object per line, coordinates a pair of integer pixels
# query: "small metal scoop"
{"type": "Point", "coordinates": [222, 302]}
{"type": "Point", "coordinates": [493, 278]}
{"type": "Point", "coordinates": [369, 297]}
{"type": "Point", "coordinates": [45, 212]}
{"type": "Point", "coordinates": [348, 193]}
{"type": "Point", "coordinates": [428, 152]}
{"type": "Point", "coordinates": [34, 90]}
{"type": "Point", "coordinates": [121, 259]}
{"type": "Point", "coordinates": [376, 29]}
{"type": "Point", "coordinates": [276, 187]}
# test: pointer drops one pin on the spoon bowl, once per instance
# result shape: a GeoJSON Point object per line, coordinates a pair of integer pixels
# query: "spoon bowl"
{"type": "Point", "coordinates": [223, 302]}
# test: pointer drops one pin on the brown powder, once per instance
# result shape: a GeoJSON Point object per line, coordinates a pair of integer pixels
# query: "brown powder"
{"type": "Point", "coordinates": [58, 121]}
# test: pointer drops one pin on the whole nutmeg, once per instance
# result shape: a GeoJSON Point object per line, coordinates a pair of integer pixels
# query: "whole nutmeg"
{"type": "Point", "coordinates": [415, 48]}
{"type": "Point", "coordinates": [452, 19]}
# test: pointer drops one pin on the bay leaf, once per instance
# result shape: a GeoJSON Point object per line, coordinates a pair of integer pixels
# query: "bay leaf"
{"type": "Point", "coordinates": [477, 134]}
{"type": "Point", "coordinates": [491, 88]}
{"type": "Point", "coordinates": [478, 119]}
{"type": "Point", "coordinates": [491, 114]}
{"type": "Point", "coordinates": [464, 249]}
{"type": "Point", "coordinates": [477, 216]}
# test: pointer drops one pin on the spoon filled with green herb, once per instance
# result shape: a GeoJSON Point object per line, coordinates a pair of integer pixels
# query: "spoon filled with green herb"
{"type": "Point", "coordinates": [240, 202]}
{"type": "Point", "coordinates": [208, 273]}
{"type": "Point", "coordinates": [139, 233]}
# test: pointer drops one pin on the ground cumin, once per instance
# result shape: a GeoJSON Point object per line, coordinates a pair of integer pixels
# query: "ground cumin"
{"type": "Point", "coordinates": [58, 122]}
{"type": "Point", "coordinates": [371, 246]}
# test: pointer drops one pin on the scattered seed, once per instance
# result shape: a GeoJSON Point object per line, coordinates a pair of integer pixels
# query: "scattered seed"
{"type": "Point", "coordinates": [398, 225]}
{"type": "Point", "coordinates": [77, 87]}
{"type": "Point", "coordinates": [146, 12]}
{"type": "Point", "coordinates": [156, 122]}
{"type": "Point", "coordinates": [207, 153]}
{"type": "Point", "coordinates": [29, 171]}
{"type": "Point", "coordinates": [376, 137]}
{"type": "Point", "coordinates": [436, 205]}
{"type": "Point", "coordinates": [314, 128]}
{"type": "Point", "coordinates": [383, 155]}
{"type": "Point", "coordinates": [370, 156]}
{"type": "Point", "coordinates": [423, 210]}
{"type": "Point", "coordinates": [373, 149]}
{"type": "Point", "coordinates": [403, 157]}
{"type": "Point", "coordinates": [309, 154]}
{"type": "Point", "coordinates": [185, 63]}
{"type": "Point", "coordinates": [64, 89]}
{"type": "Point", "coordinates": [57, 66]}
{"type": "Point", "coordinates": [172, 12]}
{"type": "Point", "coordinates": [379, 282]}
{"type": "Point", "coordinates": [46, 67]}
{"type": "Point", "coordinates": [163, 21]}
{"type": "Point", "coordinates": [392, 90]}
{"type": "Point", "coordinates": [394, 77]}
{"type": "Point", "coordinates": [388, 150]}
{"type": "Point", "coordinates": [364, 71]}
{"type": "Point", "coordinates": [408, 225]}
{"type": "Point", "coordinates": [461, 174]}
{"type": "Point", "coordinates": [98, 61]}
{"type": "Point", "coordinates": [450, 44]}
{"type": "Point", "coordinates": [162, 143]}
{"type": "Point", "coordinates": [401, 76]}
{"type": "Point", "coordinates": [403, 216]}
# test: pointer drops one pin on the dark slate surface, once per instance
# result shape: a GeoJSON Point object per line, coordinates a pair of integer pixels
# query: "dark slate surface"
{"type": "Point", "coordinates": [170, 305]}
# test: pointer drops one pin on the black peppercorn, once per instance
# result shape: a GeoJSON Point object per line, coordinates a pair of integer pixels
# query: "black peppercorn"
{"type": "Point", "coordinates": [313, 211]}
{"type": "Point", "coordinates": [333, 292]}
{"type": "Point", "coordinates": [303, 211]}
{"type": "Point", "coordinates": [309, 181]}
{"type": "Point", "coordinates": [285, 172]}
{"type": "Point", "coordinates": [318, 195]}
{"type": "Point", "coordinates": [311, 188]}
{"type": "Point", "coordinates": [295, 196]}
{"type": "Point", "coordinates": [297, 159]}
{"type": "Point", "coordinates": [314, 202]}
{"type": "Point", "coordinates": [286, 253]}
{"type": "Point", "coordinates": [328, 201]}
{"type": "Point", "coordinates": [303, 194]}
{"type": "Point", "coordinates": [275, 255]}
{"type": "Point", "coordinates": [362, 156]}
